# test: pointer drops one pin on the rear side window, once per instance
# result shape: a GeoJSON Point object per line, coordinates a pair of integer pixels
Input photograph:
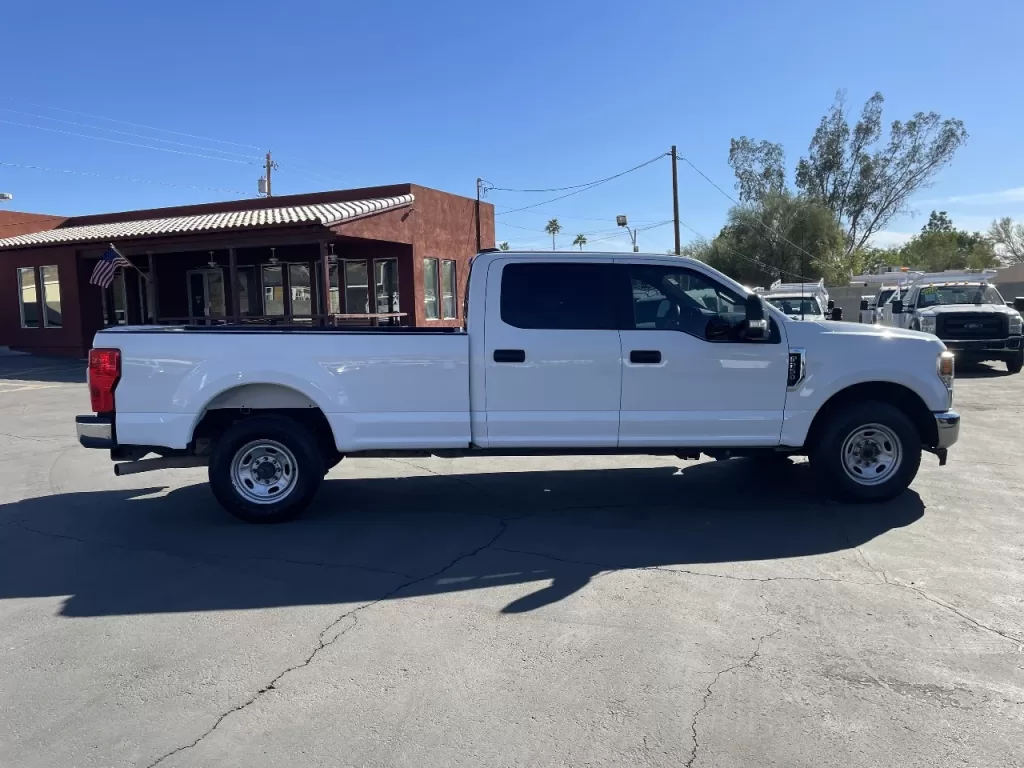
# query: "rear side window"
{"type": "Point", "coordinates": [558, 296]}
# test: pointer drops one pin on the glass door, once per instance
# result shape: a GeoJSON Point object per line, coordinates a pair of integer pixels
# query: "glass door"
{"type": "Point", "coordinates": [206, 295]}
{"type": "Point", "coordinates": [385, 273]}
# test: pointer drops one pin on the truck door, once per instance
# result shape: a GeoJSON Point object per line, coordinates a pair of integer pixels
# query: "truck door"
{"type": "Point", "coordinates": [552, 368]}
{"type": "Point", "coordinates": [688, 377]}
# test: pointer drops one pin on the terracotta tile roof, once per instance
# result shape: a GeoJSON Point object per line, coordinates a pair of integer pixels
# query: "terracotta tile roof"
{"type": "Point", "coordinates": [325, 214]}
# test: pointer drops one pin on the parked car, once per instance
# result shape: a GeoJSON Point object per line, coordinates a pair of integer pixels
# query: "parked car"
{"type": "Point", "coordinates": [965, 312]}
{"type": "Point", "coordinates": [585, 353]}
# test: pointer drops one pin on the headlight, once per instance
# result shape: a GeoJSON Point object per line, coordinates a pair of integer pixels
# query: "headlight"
{"type": "Point", "coordinates": [944, 367]}
{"type": "Point", "coordinates": [928, 323]}
{"type": "Point", "coordinates": [1015, 324]}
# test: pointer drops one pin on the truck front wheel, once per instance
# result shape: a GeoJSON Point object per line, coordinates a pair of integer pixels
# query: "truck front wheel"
{"type": "Point", "coordinates": [867, 451]}
{"type": "Point", "coordinates": [266, 469]}
{"type": "Point", "coordinates": [1015, 363]}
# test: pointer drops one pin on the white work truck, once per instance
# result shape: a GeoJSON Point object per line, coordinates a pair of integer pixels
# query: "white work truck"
{"type": "Point", "coordinates": [801, 301]}
{"type": "Point", "coordinates": [561, 354]}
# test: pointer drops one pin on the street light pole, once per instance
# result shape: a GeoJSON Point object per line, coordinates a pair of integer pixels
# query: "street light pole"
{"type": "Point", "coordinates": [623, 222]}
{"type": "Point", "coordinates": [4, 196]}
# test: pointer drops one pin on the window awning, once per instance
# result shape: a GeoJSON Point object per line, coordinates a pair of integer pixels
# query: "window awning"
{"type": "Point", "coordinates": [324, 214]}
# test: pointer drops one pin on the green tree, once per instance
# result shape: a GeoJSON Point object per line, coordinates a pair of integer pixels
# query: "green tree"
{"type": "Point", "coordinates": [1010, 237]}
{"type": "Point", "coordinates": [553, 228]}
{"type": "Point", "coordinates": [938, 222]}
{"type": "Point", "coordinates": [862, 177]}
{"type": "Point", "coordinates": [941, 246]}
{"type": "Point", "coordinates": [503, 246]}
{"type": "Point", "coordinates": [580, 240]}
{"type": "Point", "coordinates": [780, 236]}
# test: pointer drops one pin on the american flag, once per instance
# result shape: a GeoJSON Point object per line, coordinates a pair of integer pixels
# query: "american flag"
{"type": "Point", "coordinates": [103, 272]}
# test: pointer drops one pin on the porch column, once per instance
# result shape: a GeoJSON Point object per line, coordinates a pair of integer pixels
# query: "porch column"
{"type": "Point", "coordinates": [235, 287]}
{"type": "Point", "coordinates": [325, 284]}
{"type": "Point", "coordinates": [156, 288]}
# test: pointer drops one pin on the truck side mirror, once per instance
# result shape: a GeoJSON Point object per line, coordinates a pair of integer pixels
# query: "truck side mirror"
{"type": "Point", "coordinates": [897, 307]}
{"type": "Point", "coordinates": [757, 325]}
{"type": "Point", "coordinates": [837, 312]}
{"type": "Point", "coordinates": [1018, 304]}
{"type": "Point", "coordinates": [831, 305]}
{"type": "Point", "coordinates": [864, 305]}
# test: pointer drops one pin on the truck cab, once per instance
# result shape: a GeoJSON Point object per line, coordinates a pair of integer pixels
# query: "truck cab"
{"type": "Point", "coordinates": [801, 301]}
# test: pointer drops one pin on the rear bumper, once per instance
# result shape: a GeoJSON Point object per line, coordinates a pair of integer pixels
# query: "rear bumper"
{"type": "Point", "coordinates": [95, 431]}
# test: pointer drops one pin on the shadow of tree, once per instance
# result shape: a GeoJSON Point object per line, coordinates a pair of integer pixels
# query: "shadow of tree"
{"type": "Point", "coordinates": [150, 551]}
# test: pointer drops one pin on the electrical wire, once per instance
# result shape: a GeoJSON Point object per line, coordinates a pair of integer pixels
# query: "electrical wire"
{"type": "Point", "coordinates": [585, 188]}
{"type": "Point", "coordinates": [737, 202]}
{"type": "Point", "coordinates": [756, 262]}
{"type": "Point", "coordinates": [139, 125]}
{"type": "Point", "coordinates": [573, 186]}
{"type": "Point", "coordinates": [123, 178]}
{"type": "Point", "coordinates": [130, 143]}
{"type": "Point", "coordinates": [127, 133]}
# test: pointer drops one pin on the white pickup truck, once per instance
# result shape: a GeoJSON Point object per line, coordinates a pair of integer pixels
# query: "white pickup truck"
{"type": "Point", "coordinates": [562, 354]}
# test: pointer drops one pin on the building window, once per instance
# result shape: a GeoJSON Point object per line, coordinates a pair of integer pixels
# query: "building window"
{"type": "Point", "coordinates": [51, 297]}
{"type": "Point", "coordinates": [386, 281]}
{"type": "Point", "coordinates": [448, 289]}
{"type": "Point", "coordinates": [357, 288]}
{"type": "Point", "coordinates": [27, 297]}
{"type": "Point", "coordinates": [302, 296]}
{"type": "Point", "coordinates": [273, 290]}
{"type": "Point", "coordinates": [430, 289]}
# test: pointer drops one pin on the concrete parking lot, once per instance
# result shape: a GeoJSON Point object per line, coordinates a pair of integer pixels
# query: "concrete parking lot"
{"type": "Point", "coordinates": [497, 612]}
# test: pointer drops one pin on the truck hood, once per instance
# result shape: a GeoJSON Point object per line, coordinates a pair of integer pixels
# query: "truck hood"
{"type": "Point", "coordinates": [955, 309]}
{"type": "Point", "coordinates": [807, 331]}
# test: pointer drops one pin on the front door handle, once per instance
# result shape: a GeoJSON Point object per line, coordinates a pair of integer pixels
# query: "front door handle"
{"type": "Point", "coordinates": [510, 355]}
{"type": "Point", "coordinates": [645, 357]}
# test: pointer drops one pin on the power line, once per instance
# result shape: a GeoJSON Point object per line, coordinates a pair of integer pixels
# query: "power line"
{"type": "Point", "coordinates": [573, 186]}
{"type": "Point", "coordinates": [126, 133]}
{"type": "Point", "coordinates": [129, 143]}
{"type": "Point", "coordinates": [585, 188]}
{"type": "Point", "coordinates": [123, 178]}
{"type": "Point", "coordinates": [757, 262]}
{"type": "Point", "coordinates": [734, 200]}
{"type": "Point", "coordinates": [140, 125]}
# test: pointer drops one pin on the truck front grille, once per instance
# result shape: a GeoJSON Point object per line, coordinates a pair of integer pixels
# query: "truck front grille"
{"type": "Point", "coordinates": [972, 325]}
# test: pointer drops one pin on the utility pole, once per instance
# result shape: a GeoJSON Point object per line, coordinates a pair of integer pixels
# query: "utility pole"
{"type": "Point", "coordinates": [479, 183]}
{"type": "Point", "coordinates": [675, 200]}
{"type": "Point", "coordinates": [264, 185]}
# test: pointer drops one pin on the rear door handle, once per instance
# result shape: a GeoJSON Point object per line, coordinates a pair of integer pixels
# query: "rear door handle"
{"type": "Point", "coordinates": [510, 355]}
{"type": "Point", "coordinates": [645, 357]}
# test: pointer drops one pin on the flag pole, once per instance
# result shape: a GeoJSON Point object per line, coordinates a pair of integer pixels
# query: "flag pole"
{"type": "Point", "coordinates": [141, 273]}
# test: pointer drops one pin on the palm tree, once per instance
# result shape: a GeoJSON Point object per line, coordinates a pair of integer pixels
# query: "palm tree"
{"type": "Point", "coordinates": [503, 246]}
{"type": "Point", "coordinates": [553, 228]}
{"type": "Point", "coordinates": [580, 240]}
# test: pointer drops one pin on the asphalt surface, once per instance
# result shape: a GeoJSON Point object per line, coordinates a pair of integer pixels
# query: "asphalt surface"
{"type": "Point", "coordinates": [496, 612]}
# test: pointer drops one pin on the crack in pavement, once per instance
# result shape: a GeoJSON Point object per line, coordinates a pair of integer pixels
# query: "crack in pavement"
{"type": "Point", "coordinates": [887, 582]}
{"type": "Point", "coordinates": [709, 690]}
{"type": "Point", "coordinates": [323, 643]}
{"type": "Point", "coordinates": [192, 556]}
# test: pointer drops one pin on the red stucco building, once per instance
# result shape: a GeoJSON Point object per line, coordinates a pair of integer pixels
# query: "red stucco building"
{"type": "Point", "coordinates": [396, 254]}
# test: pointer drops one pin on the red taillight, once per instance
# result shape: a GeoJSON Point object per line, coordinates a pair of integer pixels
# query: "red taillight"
{"type": "Point", "coordinates": [104, 372]}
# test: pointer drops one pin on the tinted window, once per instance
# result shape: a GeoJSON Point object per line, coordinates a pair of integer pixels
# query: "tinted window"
{"type": "Point", "coordinates": [674, 299]}
{"type": "Point", "coordinates": [557, 296]}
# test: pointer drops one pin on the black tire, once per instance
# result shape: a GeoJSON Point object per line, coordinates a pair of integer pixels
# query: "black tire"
{"type": "Point", "coordinates": [302, 471]}
{"type": "Point", "coordinates": [1015, 363]}
{"type": "Point", "coordinates": [831, 453]}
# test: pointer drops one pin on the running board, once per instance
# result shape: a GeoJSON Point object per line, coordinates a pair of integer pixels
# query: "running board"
{"type": "Point", "coordinates": [165, 462]}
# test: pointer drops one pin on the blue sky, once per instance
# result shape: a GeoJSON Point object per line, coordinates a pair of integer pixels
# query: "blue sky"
{"type": "Point", "coordinates": [525, 94]}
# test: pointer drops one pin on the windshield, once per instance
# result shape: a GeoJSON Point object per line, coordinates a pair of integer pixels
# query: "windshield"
{"type": "Point", "coordinates": [885, 295]}
{"type": "Point", "coordinates": [795, 305]}
{"type": "Point", "coordinates": [940, 295]}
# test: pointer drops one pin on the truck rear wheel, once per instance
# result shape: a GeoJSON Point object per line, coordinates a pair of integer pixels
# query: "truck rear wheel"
{"type": "Point", "coordinates": [868, 451]}
{"type": "Point", "coordinates": [1015, 363]}
{"type": "Point", "coordinates": [266, 469]}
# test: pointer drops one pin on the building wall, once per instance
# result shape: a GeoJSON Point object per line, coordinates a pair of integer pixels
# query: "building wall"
{"type": "Point", "coordinates": [67, 340]}
{"type": "Point", "coordinates": [13, 223]}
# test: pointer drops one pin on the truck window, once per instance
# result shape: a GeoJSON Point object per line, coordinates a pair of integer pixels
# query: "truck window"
{"type": "Point", "coordinates": [557, 296]}
{"type": "Point", "coordinates": [669, 298]}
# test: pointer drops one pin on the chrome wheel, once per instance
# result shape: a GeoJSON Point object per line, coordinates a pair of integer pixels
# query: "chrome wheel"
{"type": "Point", "coordinates": [872, 454]}
{"type": "Point", "coordinates": [264, 472]}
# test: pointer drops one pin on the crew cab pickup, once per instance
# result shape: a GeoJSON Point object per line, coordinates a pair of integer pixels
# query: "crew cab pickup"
{"type": "Point", "coordinates": [560, 354]}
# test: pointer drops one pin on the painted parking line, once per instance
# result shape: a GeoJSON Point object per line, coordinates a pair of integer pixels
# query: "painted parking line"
{"type": "Point", "coordinates": [26, 387]}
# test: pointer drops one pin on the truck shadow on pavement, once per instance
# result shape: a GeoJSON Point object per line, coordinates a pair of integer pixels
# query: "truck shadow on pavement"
{"type": "Point", "coordinates": [121, 552]}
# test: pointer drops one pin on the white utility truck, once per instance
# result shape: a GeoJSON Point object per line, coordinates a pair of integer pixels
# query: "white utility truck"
{"type": "Point", "coordinates": [963, 310]}
{"type": "Point", "coordinates": [801, 301]}
{"type": "Point", "coordinates": [561, 354]}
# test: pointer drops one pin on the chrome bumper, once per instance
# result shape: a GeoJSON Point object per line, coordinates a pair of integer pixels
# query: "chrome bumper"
{"type": "Point", "coordinates": [948, 428]}
{"type": "Point", "coordinates": [95, 431]}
